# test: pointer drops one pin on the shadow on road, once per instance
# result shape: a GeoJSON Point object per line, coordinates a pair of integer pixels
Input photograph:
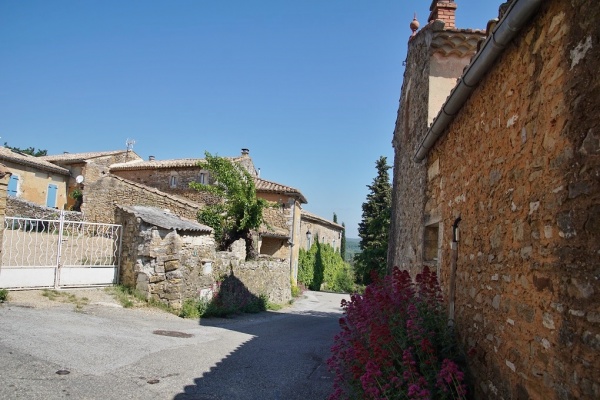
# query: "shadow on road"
{"type": "Point", "coordinates": [284, 358]}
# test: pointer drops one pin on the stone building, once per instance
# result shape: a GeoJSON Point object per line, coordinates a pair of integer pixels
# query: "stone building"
{"type": "Point", "coordinates": [277, 237]}
{"type": "Point", "coordinates": [167, 257]}
{"type": "Point", "coordinates": [436, 57]}
{"type": "Point", "coordinates": [171, 259]}
{"type": "Point", "coordinates": [87, 168]}
{"type": "Point", "coordinates": [321, 229]}
{"type": "Point", "coordinates": [35, 180]}
{"type": "Point", "coordinates": [501, 194]}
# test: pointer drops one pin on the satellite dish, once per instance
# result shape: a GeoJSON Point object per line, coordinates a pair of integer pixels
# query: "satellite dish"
{"type": "Point", "coordinates": [79, 179]}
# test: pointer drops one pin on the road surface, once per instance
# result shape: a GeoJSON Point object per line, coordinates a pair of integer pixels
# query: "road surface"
{"type": "Point", "coordinates": [106, 352]}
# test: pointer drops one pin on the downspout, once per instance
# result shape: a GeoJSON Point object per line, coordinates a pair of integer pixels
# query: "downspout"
{"type": "Point", "coordinates": [515, 19]}
{"type": "Point", "coordinates": [453, 261]}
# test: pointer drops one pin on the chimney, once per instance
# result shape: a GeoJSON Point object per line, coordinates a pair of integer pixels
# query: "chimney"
{"type": "Point", "coordinates": [443, 10]}
{"type": "Point", "coordinates": [151, 158]}
{"type": "Point", "coordinates": [245, 152]}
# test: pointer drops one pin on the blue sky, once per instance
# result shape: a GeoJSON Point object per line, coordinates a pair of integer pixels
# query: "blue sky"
{"type": "Point", "coordinates": [311, 87]}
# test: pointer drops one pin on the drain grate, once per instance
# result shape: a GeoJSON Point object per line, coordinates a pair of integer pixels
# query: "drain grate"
{"type": "Point", "coordinates": [173, 334]}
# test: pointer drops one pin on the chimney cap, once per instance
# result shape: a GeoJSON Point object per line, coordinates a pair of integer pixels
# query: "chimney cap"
{"type": "Point", "coordinates": [245, 152]}
{"type": "Point", "coordinates": [151, 158]}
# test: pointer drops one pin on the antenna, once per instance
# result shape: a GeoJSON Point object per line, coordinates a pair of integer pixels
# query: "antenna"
{"type": "Point", "coordinates": [129, 143]}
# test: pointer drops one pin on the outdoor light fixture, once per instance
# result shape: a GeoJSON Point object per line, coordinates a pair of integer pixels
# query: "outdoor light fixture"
{"type": "Point", "coordinates": [308, 236]}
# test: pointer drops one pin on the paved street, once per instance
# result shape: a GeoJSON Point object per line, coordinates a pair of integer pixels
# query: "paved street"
{"type": "Point", "coordinates": [105, 352]}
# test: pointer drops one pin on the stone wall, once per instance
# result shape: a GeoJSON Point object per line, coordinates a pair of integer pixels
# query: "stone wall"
{"type": "Point", "coordinates": [520, 165]}
{"type": "Point", "coordinates": [16, 207]}
{"type": "Point", "coordinates": [327, 232]}
{"type": "Point", "coordinates": [408, 198]}
{"type": "Point", "coordinates": [102, 196]}
{"type": "Point", "coordinates": [99, 167]}
{"type": "Point", "coordinates": [161, 180]}
{"type": "Point", "coordinates": [265, 276]}
{"type": "Point", "coordinates": [171, 267]}
{"type": "Point", "coordinates": [435, 59]}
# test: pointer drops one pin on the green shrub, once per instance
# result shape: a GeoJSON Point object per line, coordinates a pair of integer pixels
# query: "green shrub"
{"type": "Point", "coordinates": [190, 309]}
{"type": "Point", "coordinates": [3, 295]}
{"type": "Point", "coordinates": [296, 291]}
{"type": "Point", "coordinates": [322, 267]}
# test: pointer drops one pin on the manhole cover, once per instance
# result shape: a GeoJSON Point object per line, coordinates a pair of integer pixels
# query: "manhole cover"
{"type": "Point", "coordinates": [63, 372]}
{"type": "Point", "coordinates": [173, 334]}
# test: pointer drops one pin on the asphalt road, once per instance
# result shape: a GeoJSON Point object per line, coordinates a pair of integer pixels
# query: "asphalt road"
{"type": "Point", "coordinates": [113, 353]}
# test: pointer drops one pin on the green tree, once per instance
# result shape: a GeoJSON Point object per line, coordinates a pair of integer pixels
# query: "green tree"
{"type": "Point", "coordinates": [374, 227]}
{"type": "Point", "coordinates": [343, 243]}
{"type": "Point", "coordinates": [241, 212]}
{"type": "Point", "coordinates": [30, 150]}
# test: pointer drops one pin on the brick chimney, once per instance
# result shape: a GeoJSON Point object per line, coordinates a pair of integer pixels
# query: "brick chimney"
{"type": "Point", "coordinates": [245, 152]}
{"type": "Point", "coordinates": [443, 10]}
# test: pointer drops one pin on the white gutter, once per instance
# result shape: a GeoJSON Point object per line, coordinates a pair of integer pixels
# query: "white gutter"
{"type": "Point", "coordinates": [515, 19]}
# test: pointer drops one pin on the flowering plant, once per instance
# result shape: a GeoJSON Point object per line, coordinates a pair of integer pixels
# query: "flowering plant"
{"type": "Point", "coordinates": [394, 343]}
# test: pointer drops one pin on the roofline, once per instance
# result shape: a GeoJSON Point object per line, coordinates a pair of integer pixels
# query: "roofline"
{"type": "Point", "coordinates": [48, 168]}
{"type": "Point", "coordinates": [297, 192]}
{"type": "Point", "coordinates": [305, 215]}
{"type": "Point", "coordinates": [519, 13]}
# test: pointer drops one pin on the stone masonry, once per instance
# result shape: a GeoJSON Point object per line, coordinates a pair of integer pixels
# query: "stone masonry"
{"type": "Point", "coordinates": [436, 56]}
{"type": "Point", "coordinates": [171, 266]}
{"type": "Point", "coordinates": [520, 164]}
{"type": "Point", "coordinates": [103, 195]}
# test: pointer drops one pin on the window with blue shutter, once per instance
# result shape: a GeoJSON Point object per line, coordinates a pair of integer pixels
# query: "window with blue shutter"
{"type": "Point", "coordinates": [13, 185]}
{"type": "Point", "coordinates": [51, 199]}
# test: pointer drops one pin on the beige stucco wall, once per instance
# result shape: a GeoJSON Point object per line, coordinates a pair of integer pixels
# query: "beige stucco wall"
{"type": "Point", "coordinates": [33, 184]}
{"type": "Point", "coordinates": [443, 71]}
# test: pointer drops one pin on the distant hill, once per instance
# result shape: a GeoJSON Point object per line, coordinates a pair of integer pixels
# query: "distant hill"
{"type": "Point", "coordinates": [352, 247]}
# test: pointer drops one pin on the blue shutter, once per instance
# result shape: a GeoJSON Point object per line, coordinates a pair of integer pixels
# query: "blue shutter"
{"type": "Point", "coordinates": [13, 184]}
{"type": "Point", "coordinates": [51, 201]}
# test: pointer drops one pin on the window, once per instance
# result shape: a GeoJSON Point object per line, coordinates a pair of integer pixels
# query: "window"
{"type": "Point", "coordinates": [173, 181]}
{"type": "Point", "coordinates": [202, 178]}
{"type": "Point", "coordinates": [431, 246]}
{"type": "Point", "coordinates": [51, 198]}
{"type": "Point", "coordinates": [13, 185]}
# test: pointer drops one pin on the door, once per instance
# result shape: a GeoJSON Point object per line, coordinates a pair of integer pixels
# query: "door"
{"type": "Point", "coordinates": [51, 199]}
{"type": "Point", "coordinates": [13, 185]}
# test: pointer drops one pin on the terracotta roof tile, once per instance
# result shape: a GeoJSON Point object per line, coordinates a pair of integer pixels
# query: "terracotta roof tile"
{"type": "Point", "coordinates": [82, 156]}
{"type": "Point", "coordinates": [160, 164]}
{"type": "Point", "coordinates": [263, 185]}
{"type": "Point", "coordinates": [314, 217]}
{"type": "Point", "coordinates": [31, 161]}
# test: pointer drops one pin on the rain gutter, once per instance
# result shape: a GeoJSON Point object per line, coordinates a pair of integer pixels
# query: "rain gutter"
{"type": "Point", "coordinates": [515, 19]}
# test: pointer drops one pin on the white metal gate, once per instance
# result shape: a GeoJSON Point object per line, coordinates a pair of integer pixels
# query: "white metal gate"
{"type": "Point", "coordinates": [45, 253]}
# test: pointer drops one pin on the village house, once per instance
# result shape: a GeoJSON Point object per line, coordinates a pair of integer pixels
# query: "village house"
{"type": "Point", "coordinates": [86, 168]}
{"type": "Point", "coordinates": [35, 180]}
{"type": "Point", "coordinates": [497, 188]}
{"type": "Point", "coordinates": [321, 229]}
{"type": "Point", "coordinates": [276, 238]}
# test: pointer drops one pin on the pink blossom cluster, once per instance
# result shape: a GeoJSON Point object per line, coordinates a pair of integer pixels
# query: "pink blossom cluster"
{"type": "Point", "coordinates": [394, 343]}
